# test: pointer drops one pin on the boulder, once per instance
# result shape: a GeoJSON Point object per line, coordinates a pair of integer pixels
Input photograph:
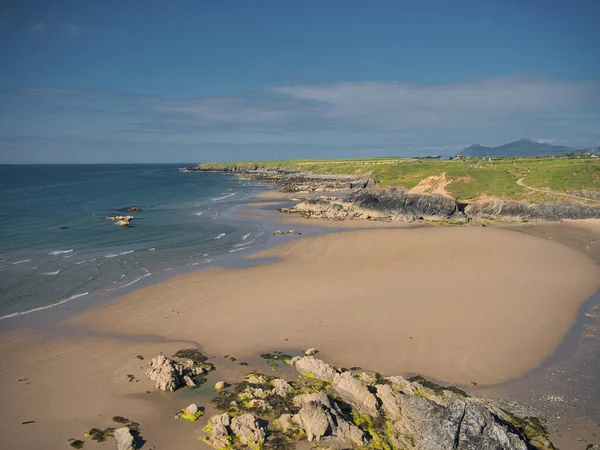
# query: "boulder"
{"type": "Point", "coordinates": [248, 430]}
{"type": "Point", "coordinates": [170, 375]}
{"type": "Point", "coordinates": [221, 385]}
{"type": "Point", "coordinates": [256, 379]}
{"type": "Point", "coordinates": [219, 432]}
{"type": "Point", "coordinates": [167, 373]}
{"type": "Point", "coordinates": [313, 367]}
{"type": "Point", "coordinates": [315, 420]}
{"type": "Point", "coordinates": [355, 392]}
{"type": "Point", "coordinates": [420, 423]}
{"type": "Point", "coordinates": [191, 413]}
{"type": "Point", "coordinates": [311, 352]}
{"type": "Point", "coordinates": [321, 419]}
{"type": "Point", "coordinates": [281, 387]}
{"type": "Point", "coordinates": [124, 438]}
{"type": "Point", "coordinates": [188, 381]}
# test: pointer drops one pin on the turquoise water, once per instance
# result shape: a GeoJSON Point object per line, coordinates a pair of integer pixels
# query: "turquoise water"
{"type": "Point", "coordinates": [56, 245]}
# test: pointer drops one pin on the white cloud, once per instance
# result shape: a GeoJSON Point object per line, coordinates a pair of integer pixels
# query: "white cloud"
{"type": "Point", "coordinates": [406, 105]}
{"type": "Point", "coordinates": [39, 28]}
{"type": "Point", "coordinates": [393, 118]}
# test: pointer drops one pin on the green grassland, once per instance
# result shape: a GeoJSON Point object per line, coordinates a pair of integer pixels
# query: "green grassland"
{"type": "Point", "coordinates": [469, 178]}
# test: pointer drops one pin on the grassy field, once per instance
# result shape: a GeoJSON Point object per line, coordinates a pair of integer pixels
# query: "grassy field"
{"type": "Point", "coordinates": [469, 178]}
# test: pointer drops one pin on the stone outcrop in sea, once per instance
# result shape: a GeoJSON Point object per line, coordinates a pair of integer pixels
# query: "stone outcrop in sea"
{"type": "Point", "coordinates": [123, 221]}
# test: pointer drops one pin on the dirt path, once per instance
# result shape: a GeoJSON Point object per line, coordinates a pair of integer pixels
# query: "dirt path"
{"type": "Point", "coordinates": [548, 191]}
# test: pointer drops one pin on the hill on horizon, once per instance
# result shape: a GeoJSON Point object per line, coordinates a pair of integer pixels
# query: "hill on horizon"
{"type": "Point", "coordinates": [522, 147]}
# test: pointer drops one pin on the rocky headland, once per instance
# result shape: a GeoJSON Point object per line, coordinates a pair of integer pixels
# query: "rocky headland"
{"type": "Point", "coordinates": [352, 197]}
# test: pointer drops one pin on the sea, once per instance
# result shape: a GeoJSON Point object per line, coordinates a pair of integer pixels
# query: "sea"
{"type": "Point", "coordinates": [57, 246]}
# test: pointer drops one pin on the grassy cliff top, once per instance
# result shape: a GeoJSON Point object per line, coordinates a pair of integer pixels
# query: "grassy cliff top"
{"type": "Point", "coordinates": [462, 178]}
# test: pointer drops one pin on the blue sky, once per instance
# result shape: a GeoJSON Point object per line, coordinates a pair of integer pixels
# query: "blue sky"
{"type": "Point", "coordinates": [153, 81]}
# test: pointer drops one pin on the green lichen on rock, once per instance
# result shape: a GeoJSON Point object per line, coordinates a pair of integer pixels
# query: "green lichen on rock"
{"type": "Point", "coordinates": [192, 417]}
{"type": "Point", "coordinates": [378, 429]}
{"type": "Point", "coordinates": [430, 389]}
{"type": "Point", "coordinates": [533, 429]}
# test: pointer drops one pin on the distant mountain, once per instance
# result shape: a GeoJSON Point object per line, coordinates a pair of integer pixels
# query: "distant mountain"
{"type": "Point", "coordinates": [522, 147]}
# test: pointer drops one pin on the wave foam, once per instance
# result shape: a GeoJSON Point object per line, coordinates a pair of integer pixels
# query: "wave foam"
{"type": "Point", "coordinates": [21, 313]}
{"type": "Point", "coordinates": [238, 249]}
{"type": "Point", "coordinates": [21, 262]}
{"type": "Point", "coordinates": [60, 252]}
{"type": "Point", "coordinates": [147, 274]}
{"type": "Point", "coordinates": [223, 197]}
{"type": "Point", "coordinates": [221, 235]}
{"type": "Point", "coordinates": [198, 213]}
{"type": "Point", "coordinates": [52, 273]}
{"type": "Point", "coordinates": [244, 237]}
{"type": "Point", "coordinates": [114, 255]}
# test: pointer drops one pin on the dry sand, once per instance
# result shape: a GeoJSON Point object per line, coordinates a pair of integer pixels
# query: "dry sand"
{"type": "Point", "coordinates": [456, 304]}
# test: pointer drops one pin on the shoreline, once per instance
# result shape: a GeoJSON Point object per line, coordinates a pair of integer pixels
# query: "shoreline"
{"type": "Point", "coordinates": [104, 332]}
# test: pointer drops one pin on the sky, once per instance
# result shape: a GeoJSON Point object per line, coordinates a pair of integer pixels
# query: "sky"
{"type": "Point", "coordinates": [193, 81]}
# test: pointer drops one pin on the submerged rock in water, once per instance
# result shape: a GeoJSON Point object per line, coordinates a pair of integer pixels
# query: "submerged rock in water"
{"type": "Point", "coordinates": [122, 221]}
{"type": "Point", "coordinates": [289, 232]}
{"type": "Point", "coordinates": [131, 209]}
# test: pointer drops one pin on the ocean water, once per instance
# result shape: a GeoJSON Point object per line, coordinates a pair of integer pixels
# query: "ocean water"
{"type": "Point", "coordinates": [56, 245]}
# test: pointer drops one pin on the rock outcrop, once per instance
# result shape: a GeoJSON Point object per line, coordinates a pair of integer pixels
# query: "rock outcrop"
{"type": "Point", "coordinates": [170, 374]}
{"type": "Point", "coordinates": [123, 221]}
{"type": "Point", "coordinates": [248, 429]}
{"type": "Point", "coordinates": [322, 420]}
{"type": "Point", "coordinates": [125, 440]}
{"type": "Point", "coordinates": [191, 413]}
{"type": "Point", "coordinates": [133, 208]}
{"type": "Point", "coordinates": [339, 408]}
{"type": "Point", "coordinates": [222, 430]}
{"type": "Point", "coordinates": [398, 204]}
{"type": "Point", "coordinates": [519, 211]}
{"type": "Point", "coordinates": [289, 232]}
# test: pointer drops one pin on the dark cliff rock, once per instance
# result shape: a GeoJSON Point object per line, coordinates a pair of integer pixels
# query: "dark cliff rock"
{"type": "Point", "coordinates": [540, 211]}
{"type": "Point", "coordinates": [394, 201]}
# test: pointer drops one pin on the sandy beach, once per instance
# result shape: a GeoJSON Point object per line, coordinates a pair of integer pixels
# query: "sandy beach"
{"type": "Point", "coordinates": [457, 304]}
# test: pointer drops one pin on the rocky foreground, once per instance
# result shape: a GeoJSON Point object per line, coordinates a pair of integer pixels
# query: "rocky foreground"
{"type": "Point", "coordinates": [338, 408]}
{"type": "Point", "coordinates": [360, 198]}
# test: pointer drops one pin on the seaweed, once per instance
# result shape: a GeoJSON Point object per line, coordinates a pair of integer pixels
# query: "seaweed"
{"type": "Point", "coordinates": [191, 353]}
{"type": "Point", "coordinates": [132, 425]}
{"type": "Point", "coordinates": [76, 443]}
{"type": "Point", "coordinates": [276, 355]}
{"type": "Point", "coordinates": [436, 388]}
{"type": "Point", "coordinates": [99, 435]}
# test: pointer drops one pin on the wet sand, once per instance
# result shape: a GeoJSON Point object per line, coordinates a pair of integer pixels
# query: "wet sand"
{"type": "Point", "coordinates": [456, 304]}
